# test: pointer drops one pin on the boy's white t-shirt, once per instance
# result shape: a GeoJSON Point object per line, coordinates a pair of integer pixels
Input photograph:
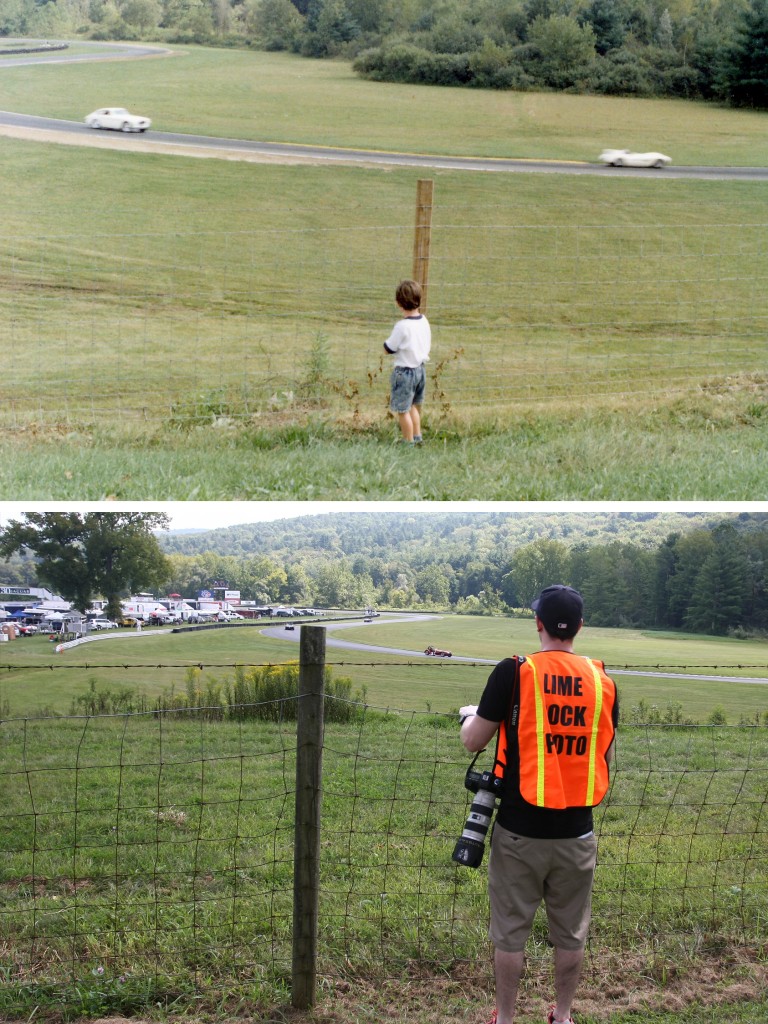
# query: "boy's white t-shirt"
{"type": "Point", "coordinates": [410, 341]}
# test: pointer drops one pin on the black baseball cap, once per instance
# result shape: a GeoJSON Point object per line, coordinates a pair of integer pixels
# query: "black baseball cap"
{"type": "Point", "coordinates": [561, 609]}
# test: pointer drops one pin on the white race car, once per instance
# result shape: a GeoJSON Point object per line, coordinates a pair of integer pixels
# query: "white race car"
{"type": "Point", "coordinates": [118, 118]}
{"type": "Point", "coordinates": [625, 158]}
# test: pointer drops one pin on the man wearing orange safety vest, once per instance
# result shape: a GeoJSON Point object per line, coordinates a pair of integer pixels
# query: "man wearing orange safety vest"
{"type": "Point", "coordinates": [554, 714]}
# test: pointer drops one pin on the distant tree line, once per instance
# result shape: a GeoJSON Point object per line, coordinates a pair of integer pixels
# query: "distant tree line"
{"type": "Point", "coordinates": [709, 578]}
{"type": "Point", "coordinates": [703, 49]}
{"type": "Point", "coordinates": [697, 572]}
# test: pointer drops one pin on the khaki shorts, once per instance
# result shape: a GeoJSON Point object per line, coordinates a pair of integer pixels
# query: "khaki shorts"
{"type": "Point", "coordinates": [522, 872]}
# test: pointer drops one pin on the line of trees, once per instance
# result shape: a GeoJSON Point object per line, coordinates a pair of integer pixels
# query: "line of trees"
{"type": "Point", "coordinates": [710, 578]}
{"type": "Point", "coordinates": [703, 49]}
{"type": "Point", "coordinates": [711, 49]}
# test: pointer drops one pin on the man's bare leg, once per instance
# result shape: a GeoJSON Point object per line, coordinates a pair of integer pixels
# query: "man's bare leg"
{"type": "Point", "coordinates": [567, 973]}
{"type": "Point", "coordinates": [509, 971]}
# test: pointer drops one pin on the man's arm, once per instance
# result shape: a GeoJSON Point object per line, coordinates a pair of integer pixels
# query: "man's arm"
{"type": "Point", "coordinates": [477, 732]}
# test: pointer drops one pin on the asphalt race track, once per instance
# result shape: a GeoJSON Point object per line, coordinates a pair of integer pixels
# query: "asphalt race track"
{"type": "Point", "coordinates": [47, 129]}
{"type": "Point", "coordinates": [280, 633]}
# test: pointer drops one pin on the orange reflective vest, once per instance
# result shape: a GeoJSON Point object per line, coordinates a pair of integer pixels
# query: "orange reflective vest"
{"type": "Point", "coordinates": [564, 729]}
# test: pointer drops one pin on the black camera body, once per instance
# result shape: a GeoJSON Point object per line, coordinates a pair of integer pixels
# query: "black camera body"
{"type": "Point", "coordinates": [471, 845]}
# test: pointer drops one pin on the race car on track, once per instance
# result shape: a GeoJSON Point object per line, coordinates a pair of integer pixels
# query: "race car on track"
{"type": "Point", "coordinates": [436, 652]}
{"type": "Point", "coordinates": [625, 158]}
{"type": "Point", "coordinates": [118, 118]}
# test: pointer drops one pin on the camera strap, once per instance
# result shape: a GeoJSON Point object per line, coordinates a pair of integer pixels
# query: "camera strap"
{"type": "Point", "coordinates": [506, 737]}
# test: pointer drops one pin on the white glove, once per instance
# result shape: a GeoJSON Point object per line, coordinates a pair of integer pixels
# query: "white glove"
{"type": "Point", "coordinates": [467, 712]}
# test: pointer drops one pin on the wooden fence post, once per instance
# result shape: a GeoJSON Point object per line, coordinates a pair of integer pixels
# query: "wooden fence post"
{"type": "Point", "coordinates": [423, 236]}
{"type": "Point", "coordinates": [306, 857]}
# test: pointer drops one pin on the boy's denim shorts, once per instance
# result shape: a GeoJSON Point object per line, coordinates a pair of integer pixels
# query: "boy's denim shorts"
{"type": "Point", "coordinates": [407, 386]}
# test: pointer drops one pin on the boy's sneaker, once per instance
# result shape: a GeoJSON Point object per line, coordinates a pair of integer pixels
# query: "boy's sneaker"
{"type": "Point", "coordinates": [551, 1018]}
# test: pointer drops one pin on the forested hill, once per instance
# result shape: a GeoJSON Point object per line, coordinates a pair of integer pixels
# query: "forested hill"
{"type": "Point", "coordinates": [442, 534]}
{"type": "Point", "coordinates": [705, 572]}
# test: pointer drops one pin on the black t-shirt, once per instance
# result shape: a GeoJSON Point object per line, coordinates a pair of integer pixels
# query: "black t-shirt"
{"type": "Point", "coordinates": [514, 813]}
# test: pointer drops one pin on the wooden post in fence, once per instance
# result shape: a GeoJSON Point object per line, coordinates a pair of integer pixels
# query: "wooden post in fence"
{"type": "Point", "coordinates": [423, 237]}
{"type": "Point", "coordinates": [306, 857]}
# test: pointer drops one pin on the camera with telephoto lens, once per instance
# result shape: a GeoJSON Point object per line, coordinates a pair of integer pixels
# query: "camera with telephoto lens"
{"type": "Point", "coordinates": [471, 845]}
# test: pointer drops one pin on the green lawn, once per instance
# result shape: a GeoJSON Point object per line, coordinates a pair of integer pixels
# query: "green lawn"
{"type": "Point", "coordinates": [34, 678]}
{"type": "Point", "coordinates": [188, 328]}
{"type": "Point", "coordinates": [283, 98]}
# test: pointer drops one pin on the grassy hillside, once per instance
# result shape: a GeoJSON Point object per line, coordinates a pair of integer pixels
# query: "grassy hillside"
{"type": "Point", "coordinates": [210, 329]}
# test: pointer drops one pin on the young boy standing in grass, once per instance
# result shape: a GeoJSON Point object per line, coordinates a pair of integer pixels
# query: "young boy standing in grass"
{"type": "Point", "coordinates": [409, 342]}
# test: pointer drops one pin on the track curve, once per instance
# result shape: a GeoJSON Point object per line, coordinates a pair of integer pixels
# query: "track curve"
{"type": "Point", "coordinates": [47, 129]}
{"type": "Point", "coordinates": [280, 633]}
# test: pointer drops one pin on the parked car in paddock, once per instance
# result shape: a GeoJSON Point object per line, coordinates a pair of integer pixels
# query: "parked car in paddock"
{"type": "Point", "coordinates": [117, 118]}
{"type": "Point", "coordinates": [626, 158]}
{"type": "Point", "coordinates": [102, 624]}
{"type": "Point", "coordinates": [437, 652]}
{"type": "Point", "coordinates": [158, 619]}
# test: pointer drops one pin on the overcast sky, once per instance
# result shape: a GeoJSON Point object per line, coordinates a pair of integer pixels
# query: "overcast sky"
{"type": "Point", "coordinates": [212, 515]}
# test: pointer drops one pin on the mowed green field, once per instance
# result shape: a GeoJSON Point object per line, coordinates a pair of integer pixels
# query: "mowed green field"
{"type": "Point", "coordinates": [200, 328]}
{"type": "Point", "coordinates": [283, 98]}
{"type": "Point", "coordinates": [34, 679]}
{"type": "Point", "coordinates": [147, 859]}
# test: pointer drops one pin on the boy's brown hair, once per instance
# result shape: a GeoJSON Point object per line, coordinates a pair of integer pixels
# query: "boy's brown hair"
{"type": "Point", "coordinates": [408, 294]}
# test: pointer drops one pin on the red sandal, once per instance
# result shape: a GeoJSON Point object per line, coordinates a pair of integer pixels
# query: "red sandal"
{"type": "Point", "coordinates": [551, 1018]}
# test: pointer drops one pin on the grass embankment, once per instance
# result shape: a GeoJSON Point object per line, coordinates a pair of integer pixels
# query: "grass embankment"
{"type": "Point", "coordinates": [206, 329]}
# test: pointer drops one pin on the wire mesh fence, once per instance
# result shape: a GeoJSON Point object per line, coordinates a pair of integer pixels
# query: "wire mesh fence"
{"type": "Point", "coordinates": [152, 853]}
{"type": "Point", "coordinates": [206, 325]}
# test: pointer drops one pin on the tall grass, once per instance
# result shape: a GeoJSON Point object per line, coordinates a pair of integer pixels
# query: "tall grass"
{"type": "Point", "coordinates": [264, 693]}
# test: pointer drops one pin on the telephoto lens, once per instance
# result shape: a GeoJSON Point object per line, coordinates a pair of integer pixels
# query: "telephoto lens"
{"type": "Point", "coordinates": [471, 845]}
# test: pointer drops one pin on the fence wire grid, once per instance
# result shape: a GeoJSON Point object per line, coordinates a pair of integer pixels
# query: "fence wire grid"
{"type": "Point", "coordinates": [200, 326]}
{"type": "Point", "coordinates": [156, 849]}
